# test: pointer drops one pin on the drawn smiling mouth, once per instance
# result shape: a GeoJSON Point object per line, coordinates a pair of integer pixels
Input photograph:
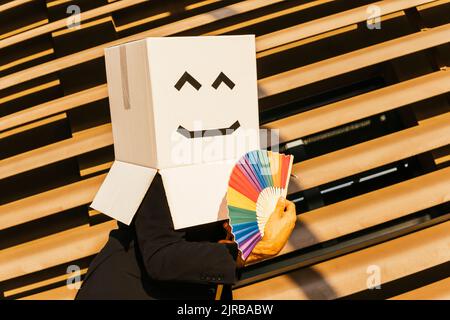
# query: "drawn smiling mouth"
{"type": "Point", "coordinates": [208, 133]}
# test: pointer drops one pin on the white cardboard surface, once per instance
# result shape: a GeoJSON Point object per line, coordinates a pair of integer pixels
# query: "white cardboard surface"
{"type": "Point", "coordinates": [122, 190]}
{"type": "Point", "coordinates": [147, 109]}
{"type": "Point", "coordinates": [146, 71]}
{"type": "Point", "coordinates": [207, 108]}
{"type": "Point", "coordinates": [196, 194]}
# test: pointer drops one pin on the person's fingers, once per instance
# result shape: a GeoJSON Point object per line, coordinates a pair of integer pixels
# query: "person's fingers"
{"type": "Point", "coordinates": [240, 263]}
{"type": "Point", "coordinates": [253, 258]}
{"type": "Point", "coordinates": [225, 241]}
{"type": "Point", "coordinates": [280, 205]}
{"type": "Point", "coordinates": [290, 211]}
{"type": "Point", "coordinates": [290, 205]}
{"type": "Point", "coordinates": [269, 252]}
{"type": "Point", "coordinates": [227, 228]}
{"type": "Point", "coordinates": [265, 248]}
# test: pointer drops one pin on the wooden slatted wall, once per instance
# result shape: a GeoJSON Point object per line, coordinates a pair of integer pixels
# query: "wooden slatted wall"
{"type": "Point", "coordinates": [365, 111]}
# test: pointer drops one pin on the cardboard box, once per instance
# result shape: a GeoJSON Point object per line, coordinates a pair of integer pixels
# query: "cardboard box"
{"type": "Point", "coordinates": [186, 107]}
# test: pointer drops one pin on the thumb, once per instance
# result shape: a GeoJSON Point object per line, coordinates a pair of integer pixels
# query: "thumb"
{"type": "Point", "coordinates": [281, 204]}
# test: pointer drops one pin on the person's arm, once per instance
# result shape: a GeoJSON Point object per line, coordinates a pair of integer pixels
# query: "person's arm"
{"type": "Point", "coordinates": [166, 254]}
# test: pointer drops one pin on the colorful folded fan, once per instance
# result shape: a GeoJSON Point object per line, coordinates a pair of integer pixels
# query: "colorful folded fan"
{"type": "Point", "coordinates": [256, 183]}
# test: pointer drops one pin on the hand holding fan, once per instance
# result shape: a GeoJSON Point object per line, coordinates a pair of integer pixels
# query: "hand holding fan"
{"type": "Point", "coordinates": [256, 183]}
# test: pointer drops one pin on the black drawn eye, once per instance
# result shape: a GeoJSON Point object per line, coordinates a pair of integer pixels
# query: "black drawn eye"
{"type": "Point", "coordinates": [223, 78]}
{"type": "Point", "coordinates": [186, 77]}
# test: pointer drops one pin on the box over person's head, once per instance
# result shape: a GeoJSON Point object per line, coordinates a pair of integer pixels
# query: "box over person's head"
{"type": "Point", "coordinates": [180, 106]}
{"type": "Point", "coordinates": [182, 100]}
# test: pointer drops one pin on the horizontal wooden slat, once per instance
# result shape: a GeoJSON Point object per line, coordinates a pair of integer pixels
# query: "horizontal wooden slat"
{"type": "Point", "coordinates": [83, 142]}
{"type": "Point", "coordinates": [44, 283]}
{"type": "Point", "coordinates": [270, 85]}
{"type": "Point", "coordinates": [199, 4]}
{"type": "Point", "coordinates": [84, 16]}
{"type": "Point", "coordinates": [191, 22]}
{"type": "Point", "coordinates": [430, 134]}
{"type": "Point", "coordinates": [83, 26]}
{"type": "Point", "coordinates": [310, 40]}
{"type": "Point", "coordinates": [370, 209]}
{"type": "Point", "coordinates": [269, 16]}
{"type": "Point", "coordinates": [23, 29]}
{"type": "Point", "coordinates": [28, 58]}
{"type": "Point", "coordinates": [82, 192]}
{"type": "Point", "coordinates": [319, 119]}
{"type": "Point", "coordinates": [53, 250]}
{"type": "Point", "coordinates": [335, 21]}
{"type": "Point", "coordinates": [361, 106]}
{"type": "Point", "coordinates": [354, 60]}
{"type": "Point", "coordinates": [49, 202]}
{"type": "Point", "coordinates": [442, 159]}
{"type": "Point", "coordinates": [432, 4]}
{"type": "Point", "coordinates": [165, 30]}
{"type": "Point", "coordinates": [54, 106]}
{"type": "Point", "coordinates": [215, 32]}
{"type": "Point", "coordinates": [349, 274]}
{"type": "Point", "coordinates": [95, 168]}
{"type": "Point", "coordinates": [12, 4]}
{"type": "Point", "coordinates": [36, 124]}
{"type": "Point", "coordinates": [54, 3]}
{"type": "Point", "coordinates": [141, 21]}
{"type": "Point", "coordinates": [439, 290]}
{"type": "Point", "coordinates": [312, 227]}
{"type": "Point", "coordinates": [61, 293]}
{"type": "Point", "coordinates": [29, 91]}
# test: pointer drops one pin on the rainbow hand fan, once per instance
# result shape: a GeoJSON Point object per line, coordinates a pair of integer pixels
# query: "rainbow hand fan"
{"type": "Point", "coordinates": [256, 183]}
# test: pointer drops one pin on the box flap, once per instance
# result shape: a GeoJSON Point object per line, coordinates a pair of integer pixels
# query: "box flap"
{"type": "Point", "coordinates": [196, 194]}
{"type": "Point", "coordinates": [122, 190]}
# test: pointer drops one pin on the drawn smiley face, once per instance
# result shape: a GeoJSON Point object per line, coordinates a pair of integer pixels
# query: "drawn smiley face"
{"type": "Point", "coordinates": [203, 93]}
{"type": "Point", "coordinates": [187, 78]}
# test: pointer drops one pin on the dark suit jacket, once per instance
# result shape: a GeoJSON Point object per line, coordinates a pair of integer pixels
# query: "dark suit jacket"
{"type": "Point", "coordinates": [150, 260]}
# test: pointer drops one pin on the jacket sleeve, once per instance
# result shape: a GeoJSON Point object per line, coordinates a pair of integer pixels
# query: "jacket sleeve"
{"type": "Point", "coordinates": [168, 256]}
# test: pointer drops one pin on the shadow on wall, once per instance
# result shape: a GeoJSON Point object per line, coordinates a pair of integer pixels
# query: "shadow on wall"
{"type": "Point", "coordinates": [309, 281]}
